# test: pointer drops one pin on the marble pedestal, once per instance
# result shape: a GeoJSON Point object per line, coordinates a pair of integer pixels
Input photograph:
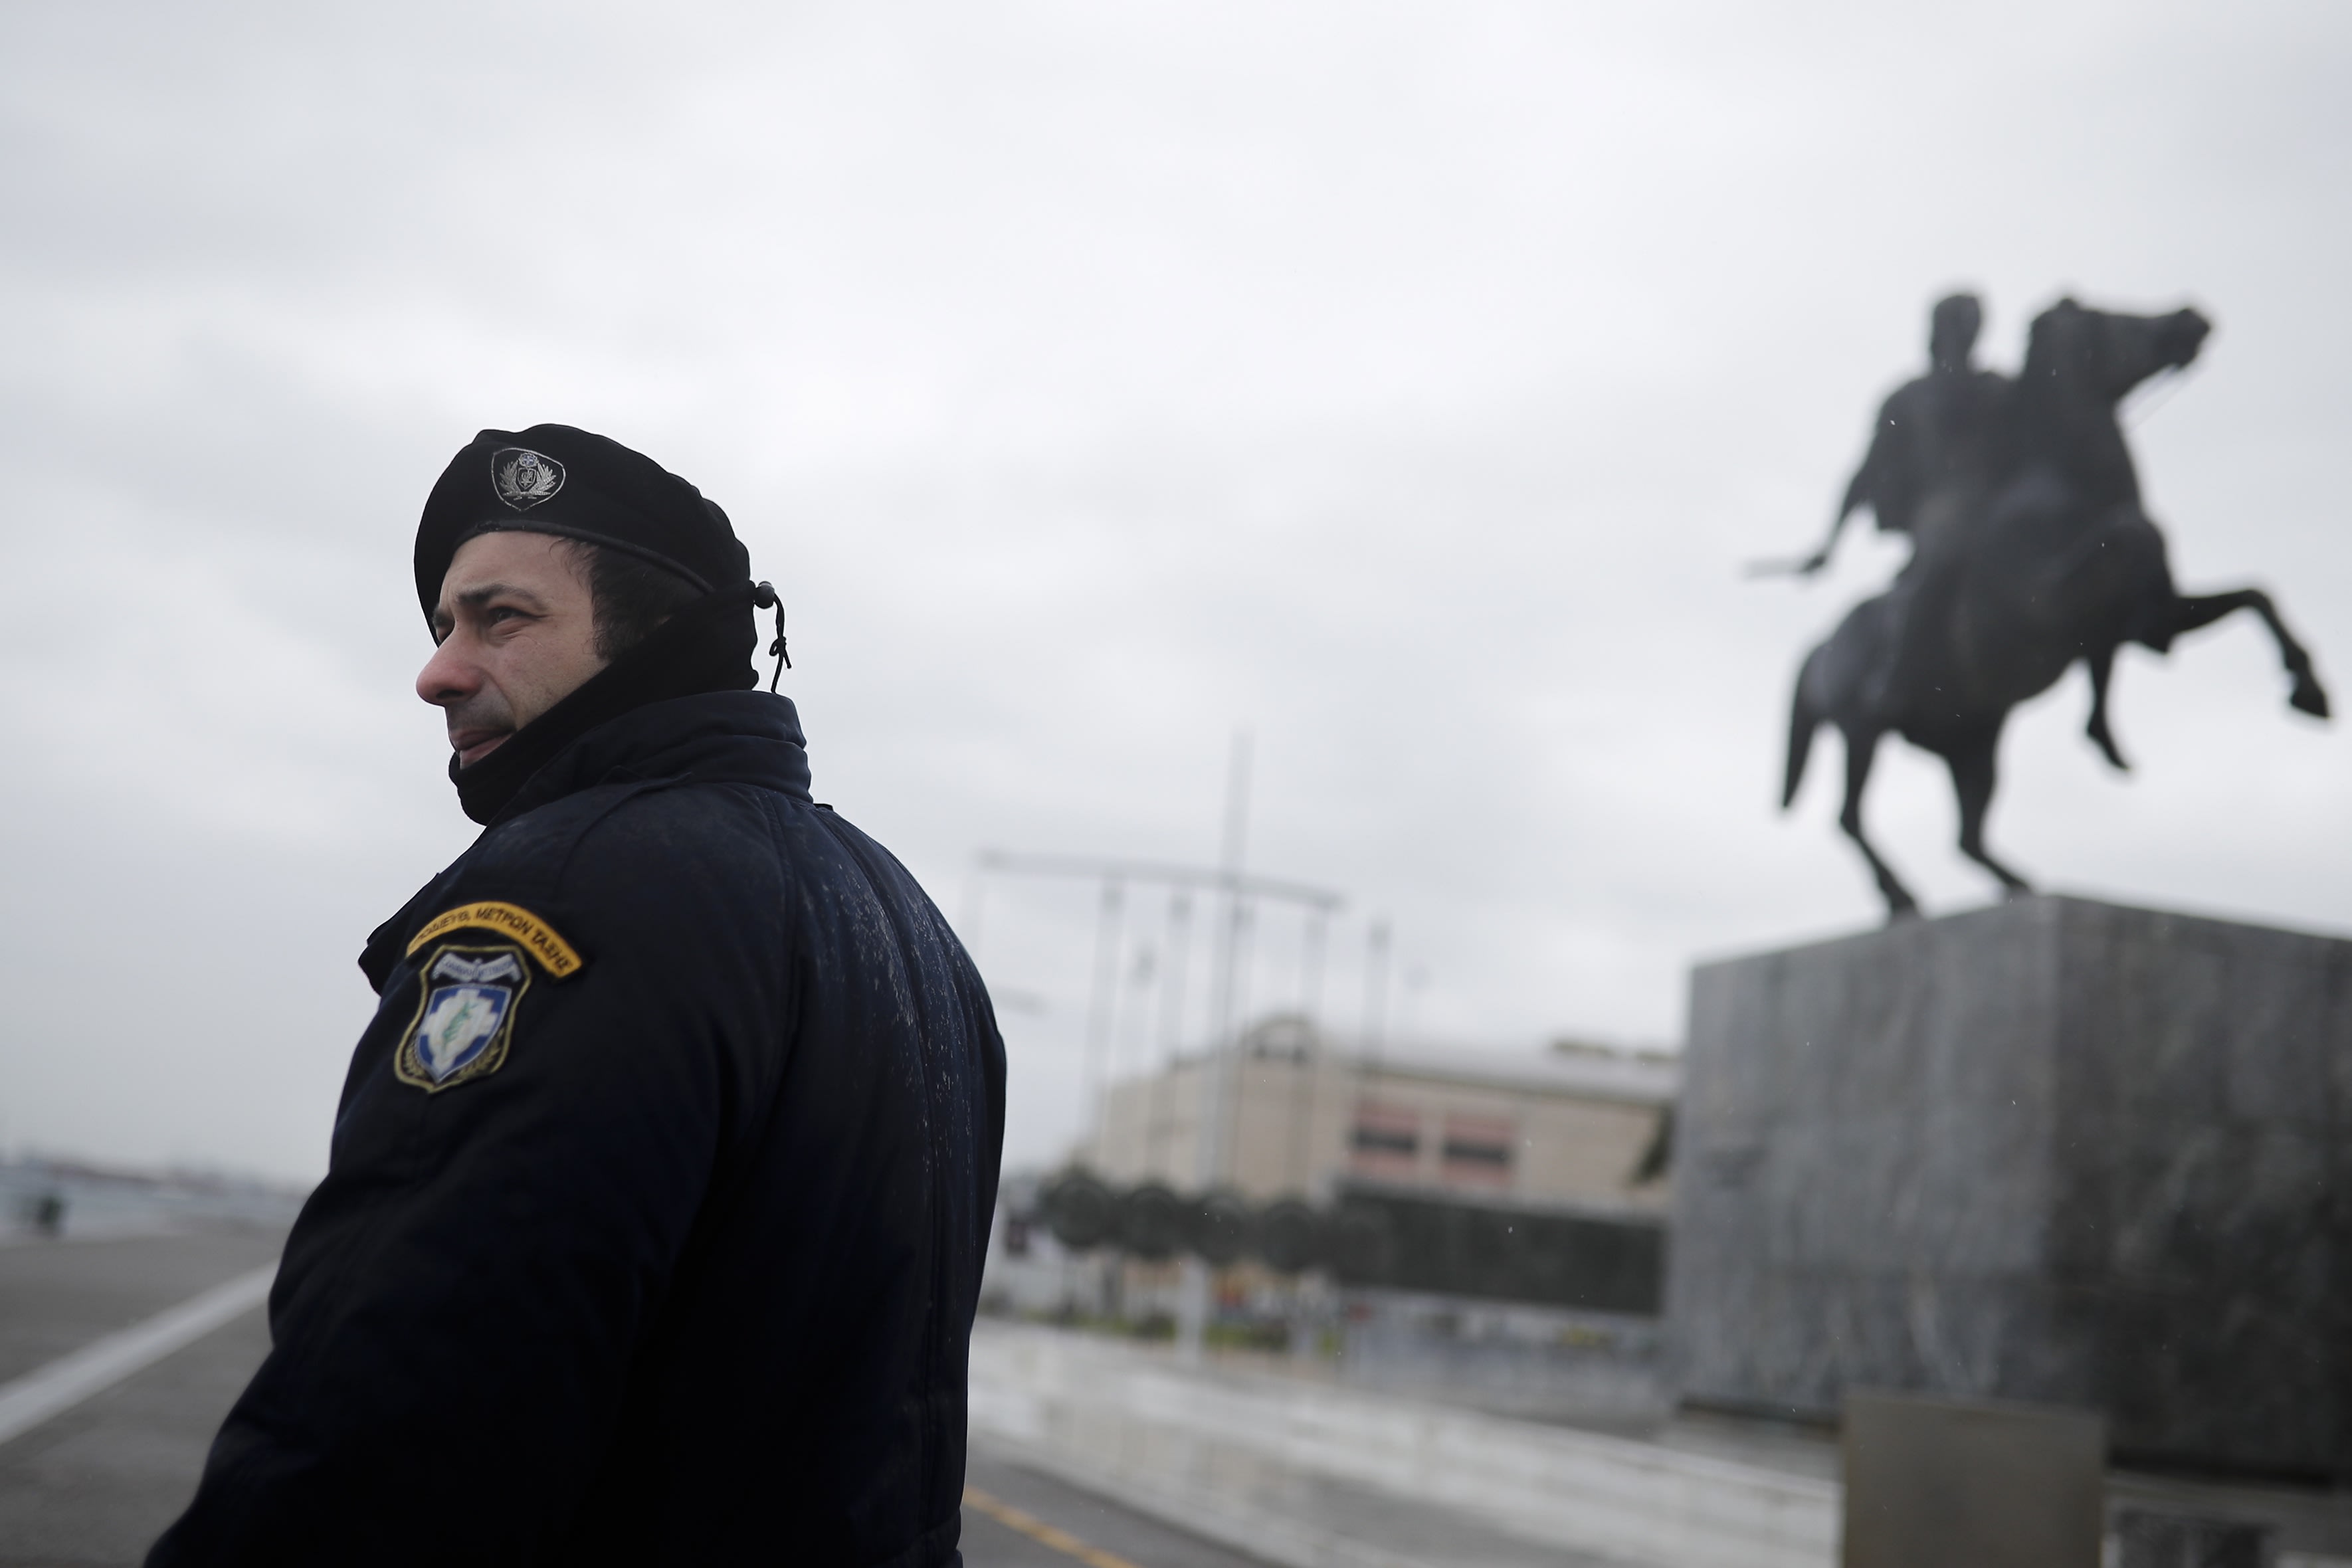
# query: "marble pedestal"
{"type": "Point", "coordinates": [2052, 1150]}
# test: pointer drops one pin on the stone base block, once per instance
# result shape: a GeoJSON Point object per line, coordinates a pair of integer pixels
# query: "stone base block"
{"type": "Point", "coordinates": [2054, 1150]}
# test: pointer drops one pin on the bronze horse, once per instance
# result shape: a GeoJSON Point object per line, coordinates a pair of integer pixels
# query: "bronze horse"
{"type": "Point", "coordinates": [2043, 556]}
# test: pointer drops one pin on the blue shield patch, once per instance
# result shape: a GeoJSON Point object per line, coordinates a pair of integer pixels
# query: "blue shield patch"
{"type": "Point", "coordinates": [465, 1016]}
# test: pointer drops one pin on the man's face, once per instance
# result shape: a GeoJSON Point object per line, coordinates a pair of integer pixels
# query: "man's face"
{"type": "Point", "coordinates": [517, 629]}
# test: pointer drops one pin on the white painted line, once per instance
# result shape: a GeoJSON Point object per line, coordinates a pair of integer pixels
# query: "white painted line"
{"type": "Point", "coordinates": [101, 1363]}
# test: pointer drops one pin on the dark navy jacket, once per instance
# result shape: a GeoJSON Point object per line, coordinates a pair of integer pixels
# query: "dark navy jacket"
{"type": "Point", "coordinates": [653, 1225]}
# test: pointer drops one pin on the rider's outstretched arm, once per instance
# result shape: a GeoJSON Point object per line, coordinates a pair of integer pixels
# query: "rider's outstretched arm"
{"type": "Point", "coordinates": [1856, 497]}
{"type": "Point", "coordinates": [1858, 490]}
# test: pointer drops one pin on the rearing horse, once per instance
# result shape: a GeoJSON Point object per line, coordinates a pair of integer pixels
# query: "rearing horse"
{"type": "Point", "coordinates": [2049, 560]}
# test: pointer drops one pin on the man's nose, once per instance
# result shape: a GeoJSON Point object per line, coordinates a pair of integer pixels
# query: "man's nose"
{"type": "Point", "coordinates": [448, 677]}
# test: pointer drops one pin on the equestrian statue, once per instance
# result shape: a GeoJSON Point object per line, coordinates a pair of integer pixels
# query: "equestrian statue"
{"type": "Point", "coordinates": [2031, 549]}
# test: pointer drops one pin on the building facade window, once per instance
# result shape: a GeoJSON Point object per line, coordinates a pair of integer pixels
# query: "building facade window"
{"type": "Point", "coordinates": [1476, 1150]}
{"type": "Point", "coordinates": [1386, 1140]}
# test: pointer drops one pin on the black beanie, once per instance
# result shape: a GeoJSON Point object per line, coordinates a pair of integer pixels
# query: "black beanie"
{"type": "Point", "coordinates": [552, 478]}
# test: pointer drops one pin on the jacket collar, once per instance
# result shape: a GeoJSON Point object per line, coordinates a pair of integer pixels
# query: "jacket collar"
{"type": "Point", "coordinates": [717, 737]}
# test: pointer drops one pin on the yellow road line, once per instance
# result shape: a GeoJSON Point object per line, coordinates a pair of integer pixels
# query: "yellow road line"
{"type": "Point", "coordinates": [1038, 1531]}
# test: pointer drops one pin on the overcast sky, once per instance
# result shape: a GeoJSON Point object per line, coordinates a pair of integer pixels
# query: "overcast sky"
{"type": "Point", "coordinates": [1405, 384]}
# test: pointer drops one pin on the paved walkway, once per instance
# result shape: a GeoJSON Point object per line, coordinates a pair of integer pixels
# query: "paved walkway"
{"type": "Point", "coordinates": [94, 1484]}
{"type": "Point", "coordinates": [1315, 1473]}
{"type": "Point", "coordinates": [1018, 1518]}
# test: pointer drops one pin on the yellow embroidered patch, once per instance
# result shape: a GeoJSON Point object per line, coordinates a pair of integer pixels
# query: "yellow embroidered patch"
{"type": "Point", "coordinates": [538, 939]}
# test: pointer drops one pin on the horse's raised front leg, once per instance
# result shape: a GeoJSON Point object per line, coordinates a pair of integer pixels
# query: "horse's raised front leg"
{"type": "Point", "coordinates": [2190, 612]}
{"type": "Point", "coordinates": [1861, 750]}
{"type": "Point", "coordinates": [1973, 773]}
{"type": "Point", "coordinates": [2102, 666]}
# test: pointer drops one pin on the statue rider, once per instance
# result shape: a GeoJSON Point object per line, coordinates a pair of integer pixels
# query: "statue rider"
{"type": "Point", "coordinates": [1930, 449]}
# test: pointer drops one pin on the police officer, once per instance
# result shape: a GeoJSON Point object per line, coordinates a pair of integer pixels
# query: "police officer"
{"type": "Point", "coordinates": [659, 1184]}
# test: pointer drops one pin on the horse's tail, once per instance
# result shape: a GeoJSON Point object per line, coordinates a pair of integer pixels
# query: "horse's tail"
{"type": "Point", "coordinates": [1804, 719]}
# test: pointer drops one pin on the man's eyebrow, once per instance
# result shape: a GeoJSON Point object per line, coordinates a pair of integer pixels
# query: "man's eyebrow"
{"type": "Point", "coordinates": [475, 598]}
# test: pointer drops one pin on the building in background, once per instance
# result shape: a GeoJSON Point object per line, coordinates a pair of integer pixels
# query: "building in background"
{"type": "Point", "coordinates": [1578, 1127]}
{"type": "Point", "coordinates": [1518, 1202]}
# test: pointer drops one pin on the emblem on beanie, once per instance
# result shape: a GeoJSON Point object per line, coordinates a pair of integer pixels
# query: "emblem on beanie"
{"type": "Point", "coordinates": [523, 477]}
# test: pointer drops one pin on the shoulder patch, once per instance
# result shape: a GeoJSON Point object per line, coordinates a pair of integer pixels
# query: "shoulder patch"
{"type": "Point", "coordinates": [464, 1015]}
{"type": "Point", "coordinates": [555, 955]}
